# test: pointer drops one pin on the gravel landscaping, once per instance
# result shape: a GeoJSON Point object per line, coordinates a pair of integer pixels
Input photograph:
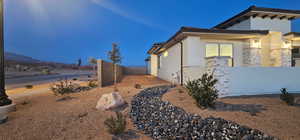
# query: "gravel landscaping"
{"type": "Point", "coordinates": [162, 120]}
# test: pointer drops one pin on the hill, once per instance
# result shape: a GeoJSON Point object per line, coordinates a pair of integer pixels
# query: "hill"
{"type": "Point", "coordinates": [19, 58]}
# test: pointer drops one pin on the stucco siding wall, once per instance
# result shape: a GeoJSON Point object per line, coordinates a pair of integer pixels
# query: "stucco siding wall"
{"type": "Point", "coordinates": [244, 25]}
{"type": "Point", "coordinates": [149, 67]}
{"type": "Point", "coordinates": [192, 73]}
{"type": "Point", "coordinates": [170, 64]}
{"type": "Point", "coordinates": [275, 24]}
{"type": "Point", "coordinates": [153, 67]}
{"type": "Point", "coordinates": [194, 50]}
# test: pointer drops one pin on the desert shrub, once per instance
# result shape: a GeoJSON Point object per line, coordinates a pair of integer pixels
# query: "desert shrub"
{"type": "Point", "coordinates": [137, 86]}
{"type": "Point", "coordinates": [74, 79]}
{"type": "Point", "coordinates": [287, 97]}
{"type": "Point", "coordinates": [29, 86]}
{"type": "Point", "coordinates": [63, 87]}
{"type": "Point", "coordinates": [92, 83]}
{"type": "Point", "coordinates": [46, 71]}
{"type": "Point", "coordinates": [203, 90]}
{"type": "Point", "coordinates": [4, 101]}
{"type": "Point", "coordinates": [180, 91]}
{"type": "Point", "coordinates": [25, 102]}
{"type": "Point", "coordinates": [116, 125]}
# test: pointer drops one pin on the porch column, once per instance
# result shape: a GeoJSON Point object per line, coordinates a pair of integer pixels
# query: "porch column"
{"type": "Point", "coordinates": [218, 66]}
{"type": "Point", "coordinates": [282, 57]}
{"type": "Point", "coordinates": [286, 54]}
{"type": "Point", "coordinates": [252, 54]}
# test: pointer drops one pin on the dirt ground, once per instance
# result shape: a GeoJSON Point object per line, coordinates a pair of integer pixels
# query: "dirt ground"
{"type": "Point", "coordinates": [276, 118]}
{"type": "Point", "coordinates": [41, 117]}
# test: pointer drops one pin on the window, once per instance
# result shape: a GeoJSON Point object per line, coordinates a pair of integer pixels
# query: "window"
{"type": "Point", "coordinates": [222, 49]}
{"type": "Point", "coordinates": [295, 51]}
{"type": "Point", "coordinates": [212, 50]}
{"type": "Point", "coordinates": [226, 50]}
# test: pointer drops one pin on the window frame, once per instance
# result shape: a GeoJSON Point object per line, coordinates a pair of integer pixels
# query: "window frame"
{"type": "Point", "coordinates": [219, 50]}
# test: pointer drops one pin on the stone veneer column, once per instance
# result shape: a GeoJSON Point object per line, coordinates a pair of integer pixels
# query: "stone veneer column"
{"type": "Point", "coordinates": [286, 57]}
{"type": "Point", "coordinates": [281, 57]}
{"type": "Point", "coordinates": [252, 56]}
{"type": "Point", "coordinates": [218, 66]}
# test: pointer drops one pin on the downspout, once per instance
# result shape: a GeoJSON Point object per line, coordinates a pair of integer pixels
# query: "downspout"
{"type": "Point", "coordinates": [181, 63]}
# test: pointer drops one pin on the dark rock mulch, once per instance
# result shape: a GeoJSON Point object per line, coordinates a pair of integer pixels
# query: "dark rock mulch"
{"type": "Point", "coordinates": [161, 120]}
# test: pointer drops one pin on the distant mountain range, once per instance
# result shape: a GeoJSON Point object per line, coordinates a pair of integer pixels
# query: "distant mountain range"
{"type": "Point", "coordinates": [19, 58]}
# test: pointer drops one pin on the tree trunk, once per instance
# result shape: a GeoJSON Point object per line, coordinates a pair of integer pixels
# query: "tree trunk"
{"type": "Point", "coordinates": [115, 77]}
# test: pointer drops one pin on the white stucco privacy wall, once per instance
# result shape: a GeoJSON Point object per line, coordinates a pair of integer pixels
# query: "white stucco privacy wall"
{"type": "Point", "coordinates": [263, 80]}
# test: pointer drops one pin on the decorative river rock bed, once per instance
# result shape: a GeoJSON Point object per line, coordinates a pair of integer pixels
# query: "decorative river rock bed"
{"type": "Point", "coordinates": [161, 120]}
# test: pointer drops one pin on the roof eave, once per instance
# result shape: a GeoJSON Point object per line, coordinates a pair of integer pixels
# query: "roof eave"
{"type": "Point", "coordinates": [259, 11]}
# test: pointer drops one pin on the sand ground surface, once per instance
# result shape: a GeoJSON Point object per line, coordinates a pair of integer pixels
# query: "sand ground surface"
{"type": "Point", "coordinates": [274, 117]}
{"type": "Point", "coordinates": [41, 117]}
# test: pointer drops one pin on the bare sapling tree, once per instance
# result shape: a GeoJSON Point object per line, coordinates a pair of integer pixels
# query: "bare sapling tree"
{"type": "Point", "coordinates": [115, 56]}
{"type": "Point", "coordinates": [79, 63]}
{"type": "Point", "coordinates": [93, 62]}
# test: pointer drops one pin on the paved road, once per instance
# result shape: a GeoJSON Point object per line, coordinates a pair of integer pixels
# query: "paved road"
{"type": "Point", "coordinates": [33, 80]}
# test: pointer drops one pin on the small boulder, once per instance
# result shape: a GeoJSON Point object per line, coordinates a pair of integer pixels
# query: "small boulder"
{"type": "Point", "coordinates": [110, 101]}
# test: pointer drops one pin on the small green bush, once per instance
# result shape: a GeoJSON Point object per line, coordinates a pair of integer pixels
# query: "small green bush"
{"type": "Point", "coordinates": [92, 83]}
{"type": "Point", "coordinates": [203, 90]}
{"type": "Point", "coordinates": [287, 97]}
{"type": "Point", "coordinates": [63, 87]}
{"type": "Point", "coordinates": [29, 86]}
{"type": "Point", "coordinates": [116, 125]}
{"type": "Point", "coordinates": [46, 71]}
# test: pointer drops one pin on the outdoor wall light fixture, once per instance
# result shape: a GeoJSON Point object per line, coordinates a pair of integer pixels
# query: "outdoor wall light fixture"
{"type": "Point", "coordinates": [287, 44]}
{"type": "Point", "coordinates": [166, 54]}
{"type": "Point", "coordinates": [255, 43]}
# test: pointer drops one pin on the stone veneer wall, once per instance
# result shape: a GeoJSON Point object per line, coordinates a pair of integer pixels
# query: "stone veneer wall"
{"type": "Point", "coordinates": [218, 66]}
{"type": "Point", "coordinates": [275, 57]}
{"type": "Point", "coordinates": [286, 57]}
{"type": "Point", "coordinates": [252, 56]}
{"type": "Point", "coordinates": [281, 57]}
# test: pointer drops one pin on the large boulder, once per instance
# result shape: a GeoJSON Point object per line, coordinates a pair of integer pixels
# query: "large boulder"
{"type": "Point", "coordinates": [110, 101]}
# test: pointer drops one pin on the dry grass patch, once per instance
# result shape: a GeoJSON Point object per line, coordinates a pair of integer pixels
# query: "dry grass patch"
{"type": "Point", "coordinates": [44, 118]}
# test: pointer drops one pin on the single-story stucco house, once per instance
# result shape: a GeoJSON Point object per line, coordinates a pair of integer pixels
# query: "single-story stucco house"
{"type": "Point", "coordinates": [254, 52]}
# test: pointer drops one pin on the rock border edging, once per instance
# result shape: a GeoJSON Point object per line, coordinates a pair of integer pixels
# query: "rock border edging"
{"type": "Point", "coordinates": [162, 120]}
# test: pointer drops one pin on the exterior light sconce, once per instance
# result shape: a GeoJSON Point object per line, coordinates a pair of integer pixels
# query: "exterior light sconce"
{"type": "Point", "coordinates": [255, 43]}
{"type": "Point", "coordinates": [166, 54]}
{"type": "Point", "coordinates": [287, 44]}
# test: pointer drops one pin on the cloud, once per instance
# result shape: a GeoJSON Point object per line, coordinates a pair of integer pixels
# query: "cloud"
{"type": "Point", "coordinates": [130, 16]}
